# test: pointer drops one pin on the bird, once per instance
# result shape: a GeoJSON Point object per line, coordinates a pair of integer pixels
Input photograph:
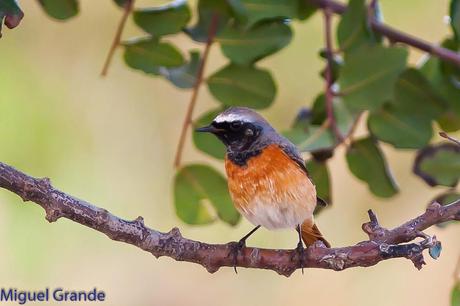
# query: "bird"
{"type": "Point", "coordinates": [267, 178]}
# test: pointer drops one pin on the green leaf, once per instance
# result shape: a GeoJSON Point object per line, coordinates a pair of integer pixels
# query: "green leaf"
{"type": "Point", "coordinates": [247, 46]}
{"type": "Point", "coordinates": [445, 199]}
{"type": "Point", "coordinates": [168, 19]}
{"type": "Point", "coordinates": [308, 134]}
{"type": "Point", "coordinates": [313, 139]}
{"type": "Point", "coordinates": [402, 130]}
{"type": "Point", "coordinates": [449, 121]}
{"type": "Point", "coordinates": [243, 86]}
{"type": "Point", "coordinates": [319, 173]}
{"type": "Point", "coordinates": [122, 3]}
{"type": "Point", "coordinates": [445, 84]}
{"type": "Point", "coordinates": [438, 164]}
{"type": "Point", "coordinates": [369, 74]}
{"type": "Point", "coordinates": [455, 295]}
{"type": "Point", "coordinates": [207, 9]}
{"type": "Point", "coordinates": [344, 116]}
{"type": "Point", "coordinates": [318, 140]}
{"type": "Point", "coordinates": [207, 142]}
{"type": "Point", "coordinates": [60, 9]}
{"type": "Point", "coordinates": [306, 9]}
{"type": "Point", "coordinates": [183, 76]}
{"type": "Point", "coordinates": [10, 13]}
{"type": "Point", "coordinates": [253, 11]}
{"type": "Point", "coordinates": [198, 185]}
{"type": "Point", "coordinates": [451, 70]}
{"type": "Point", "coordinates": [318, 112]}
{"type": "Point", "coordinates": [10, 7]}
{"type": "Point", "coordinates": [149, 54]}
{"type": "Point", "coordinates": [454, 12]}
{"type": "Point", "coordinates": [366, 161]}
{"type": "Point", "coordinates": [414, 95]}
{"type": "Point", "coordinates": [353, 30]}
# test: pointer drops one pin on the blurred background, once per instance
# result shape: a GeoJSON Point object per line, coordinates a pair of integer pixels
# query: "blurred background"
{"type": "Point", "coordinates": [112, 142]}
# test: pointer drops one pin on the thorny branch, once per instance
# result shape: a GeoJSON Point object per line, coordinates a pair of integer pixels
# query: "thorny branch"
{"type": "Point", "coordinates": [382, 244]}
{"type": "Point", "coordinates": [196, 87]}
{"type": "Point", "coordinates": [395, 35]}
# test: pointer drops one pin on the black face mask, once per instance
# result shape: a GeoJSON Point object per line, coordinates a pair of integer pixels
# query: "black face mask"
{"type": "Point", "coordinates": [236, 135]}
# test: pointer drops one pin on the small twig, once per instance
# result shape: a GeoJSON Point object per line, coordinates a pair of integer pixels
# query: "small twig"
{"type": "Point", "coordinates": [395, 35]}
{"type": "Point", "coordinates": [383, 243]}
{"type": "Point", "coordinates": [444, 135]}
{"type": "Point", "coordinates": [372, 11]}
{"type": "Point", "coordinates": [329, 95]}
{"type": "Point", "coordinates": [116, 40]}
{"type": "Point", "coordinates": [196, 87]}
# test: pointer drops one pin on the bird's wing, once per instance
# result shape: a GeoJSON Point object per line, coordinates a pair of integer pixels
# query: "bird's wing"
{"type": "Point", "coordinates": [294, 154]}
{"type": "Point", "coordinates": [291, 150]}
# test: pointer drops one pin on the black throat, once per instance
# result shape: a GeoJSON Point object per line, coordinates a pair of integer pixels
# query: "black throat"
{"type": "Point", "coordinates": [241, 158]}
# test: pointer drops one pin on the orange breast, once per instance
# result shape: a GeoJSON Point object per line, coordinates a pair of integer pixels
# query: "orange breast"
{"type": "Point", "coordinates": [271, 190]}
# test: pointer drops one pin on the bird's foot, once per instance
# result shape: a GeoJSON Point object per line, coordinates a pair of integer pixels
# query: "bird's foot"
{"type": "Point", "coordinates": [300, 254]}
{"type": "Point", "coordinates": [235, 250]}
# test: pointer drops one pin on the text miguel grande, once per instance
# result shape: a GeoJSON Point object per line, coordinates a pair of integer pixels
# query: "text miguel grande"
{"type": "Point", "coordinates": [46, 295]}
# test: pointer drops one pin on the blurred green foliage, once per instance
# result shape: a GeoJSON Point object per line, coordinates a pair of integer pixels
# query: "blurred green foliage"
{"type": "Point", "coordinates": [195, 184]}
{"type": "Point", "coordinates": [455, 296]}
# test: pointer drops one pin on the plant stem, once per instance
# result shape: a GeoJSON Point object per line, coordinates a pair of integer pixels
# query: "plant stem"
{"type": "Point", "coordinates": [196, 87]}
{"type": "Point", "coordinates": [116, 40]}
{"type": "Point", "coordinates": [329, 95]}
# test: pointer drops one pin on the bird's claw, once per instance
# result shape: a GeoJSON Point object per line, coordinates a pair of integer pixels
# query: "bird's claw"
{"type": "Point", "coordinates": [236, 248]}
{"type": "Point", "coordinates": [300, 253]}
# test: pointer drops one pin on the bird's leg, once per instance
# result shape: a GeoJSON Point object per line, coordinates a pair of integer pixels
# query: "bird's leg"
{"type": "Point", "coordinates": [300, 250]}
{"type": "Point", "coordinates": [237, 247]}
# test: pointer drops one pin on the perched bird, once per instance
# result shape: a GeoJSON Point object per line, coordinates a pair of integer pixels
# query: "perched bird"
{"type": "Point", "coordinates": [267, 178]}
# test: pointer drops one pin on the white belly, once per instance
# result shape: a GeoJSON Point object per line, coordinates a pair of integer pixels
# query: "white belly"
{"type": "Point", "coordinates": [278, 215]}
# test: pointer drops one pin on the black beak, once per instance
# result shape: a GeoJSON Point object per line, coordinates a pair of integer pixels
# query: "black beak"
{"type": "Point", "coordinates": [208, 129]}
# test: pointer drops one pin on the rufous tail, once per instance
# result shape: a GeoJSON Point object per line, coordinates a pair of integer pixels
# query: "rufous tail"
{"type": "Point", "coordinates": [311, 233]}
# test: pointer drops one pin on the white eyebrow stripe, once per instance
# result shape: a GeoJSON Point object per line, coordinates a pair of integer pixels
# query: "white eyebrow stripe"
{"type": "Point", "coordinates": [229, 118]}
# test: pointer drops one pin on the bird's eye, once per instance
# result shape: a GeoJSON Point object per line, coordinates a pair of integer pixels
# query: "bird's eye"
{"type": "Point", "coordinates": [236, 125]}
{"type": "Point", "coordinates": [249, 132]}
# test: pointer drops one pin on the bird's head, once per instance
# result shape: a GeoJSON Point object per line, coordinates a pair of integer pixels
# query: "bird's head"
{"type": "Point", "coordinates": [240, 129]}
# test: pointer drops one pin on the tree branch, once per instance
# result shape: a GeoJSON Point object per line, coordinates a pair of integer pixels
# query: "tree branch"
{"type": "Point", "coordinates": [395, 35]}
{"type": "Point", "coordinates": [382, 244]}
{"type": "Point", "coordinates": [196, 87]}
